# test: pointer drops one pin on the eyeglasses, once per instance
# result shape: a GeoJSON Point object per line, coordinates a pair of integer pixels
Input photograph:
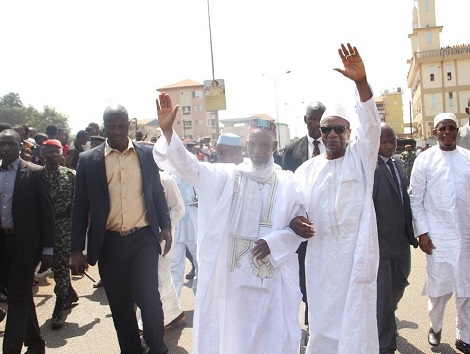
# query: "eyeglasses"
{"type": "Point", "coordinates": [339, 129]}
{"type": "Point", "coordinates": [451, 128]}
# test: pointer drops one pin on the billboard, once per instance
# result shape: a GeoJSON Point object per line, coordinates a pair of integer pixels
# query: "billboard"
{"type": "Point", "coordinates": [214, 95]}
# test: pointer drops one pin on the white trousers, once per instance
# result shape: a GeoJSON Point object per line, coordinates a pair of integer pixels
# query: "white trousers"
{"type": "Point", "coordinates": [178, 265]}
{"type": "Point", "coordinates": [436, 307]}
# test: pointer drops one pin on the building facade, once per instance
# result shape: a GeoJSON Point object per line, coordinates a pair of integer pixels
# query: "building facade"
{"type": "Point", "coordinates": [192, 121]}
{"type": "Point", "coordinates": [390, 107]}
{"type": "Point", "coordinates": [439, 77]}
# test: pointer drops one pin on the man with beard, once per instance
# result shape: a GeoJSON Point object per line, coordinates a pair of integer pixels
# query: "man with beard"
{"type": "Point", "coordinates": [248, 296]}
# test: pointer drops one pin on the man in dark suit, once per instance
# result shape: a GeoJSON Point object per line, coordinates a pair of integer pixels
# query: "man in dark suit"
{"type": "Point", "coordinates": [119, 198]}
{"type": "Point", "coordinates": [26, 236]}
{"type": "Point", "coordinates": [395, 232]}
{"type": "Point", "coordinates": [295, 154]}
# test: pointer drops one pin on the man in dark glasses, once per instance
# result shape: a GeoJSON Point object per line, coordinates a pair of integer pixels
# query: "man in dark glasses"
{"type": "Point", "coordinates": [342, 257]}
{"type": "Point", "coordinates": [440, 201]}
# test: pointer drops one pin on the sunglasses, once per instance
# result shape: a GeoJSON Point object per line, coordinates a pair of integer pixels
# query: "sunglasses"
{"type": "Point", "coordinates": [340, 129]}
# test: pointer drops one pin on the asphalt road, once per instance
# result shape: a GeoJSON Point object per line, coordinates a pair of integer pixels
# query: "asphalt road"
{"type": "Point", "coordinates": [89, 327]}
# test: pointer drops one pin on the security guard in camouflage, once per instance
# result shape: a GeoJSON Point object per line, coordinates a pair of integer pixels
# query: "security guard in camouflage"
{"type": "Point", "coordinates": [62, 181]}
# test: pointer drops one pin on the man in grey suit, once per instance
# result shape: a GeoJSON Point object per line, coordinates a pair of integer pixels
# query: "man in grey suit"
{"type": "Point", "coordinates": [395, 231]}
{"type": "Point", "coordinates": [295, 154]}
{"type": "Point", "coordinates": [463, 139]}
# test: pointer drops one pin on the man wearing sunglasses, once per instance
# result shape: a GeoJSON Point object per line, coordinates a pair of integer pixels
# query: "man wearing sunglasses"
{"type": "Point", "coordinates": [342, 257]}
{"type": "Point", "coordinates": [440, 201]}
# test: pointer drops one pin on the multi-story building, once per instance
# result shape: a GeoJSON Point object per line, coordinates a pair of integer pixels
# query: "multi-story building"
{"type": "Point", "coordinates": [192, 121]}
{"type": "Point", "coordinates": [439, 77]}
{"type": "Point", "coordinates": [390, 107]}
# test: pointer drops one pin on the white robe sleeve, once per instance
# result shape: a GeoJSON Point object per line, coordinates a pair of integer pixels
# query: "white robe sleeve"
{"type": "Point", "coordinates": [418, 189]}
{"type": "Point", "coordinates": [181, 162]}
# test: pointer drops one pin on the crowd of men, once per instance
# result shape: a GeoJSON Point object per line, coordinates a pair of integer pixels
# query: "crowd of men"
{"type": "Point", "coordinates": [331, 224]}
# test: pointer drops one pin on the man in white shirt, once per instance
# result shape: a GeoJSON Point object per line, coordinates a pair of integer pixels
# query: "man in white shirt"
{"type": "Point", "coordinates": [440, 201]}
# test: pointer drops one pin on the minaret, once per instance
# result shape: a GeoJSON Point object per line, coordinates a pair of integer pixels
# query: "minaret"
{"type": "Point", "coordinates": [425, 36]}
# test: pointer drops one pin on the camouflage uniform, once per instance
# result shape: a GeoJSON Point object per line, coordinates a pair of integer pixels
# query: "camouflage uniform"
{"type": "Point", "coordinates": [62, 182]}
{"type": "Point", "coordinates": [408, 158]}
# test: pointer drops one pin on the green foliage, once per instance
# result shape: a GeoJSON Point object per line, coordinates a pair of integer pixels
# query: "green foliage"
{"type": "Point", "coordinates": [14, 112]}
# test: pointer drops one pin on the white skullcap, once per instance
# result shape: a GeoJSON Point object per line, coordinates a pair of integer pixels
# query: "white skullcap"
{"type": "Point", "coordinates": [229, 139]}
{"type": "Point", "coordinates": [334, 110]}
{"type": "Point", "coordinates": [442, 116]}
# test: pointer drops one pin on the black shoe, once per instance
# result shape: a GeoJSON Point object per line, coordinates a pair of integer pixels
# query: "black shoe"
{"type": "Point", "coordinates": [462, 346]}
{"type": "Point", "coordinates": [434, 338]}
{"type": "Point", "coordinates": [2, 314]}
{"type": "Point", "coordinates": [73, 297]}
{"type": "Point", "coordinates": [58, 318]}
{"type": "Point", "coordinates": [191, 274]}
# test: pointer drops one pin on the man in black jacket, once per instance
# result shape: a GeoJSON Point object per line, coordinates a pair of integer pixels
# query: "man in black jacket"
{"type": "Point", "coordinates": [26, 235]}
{"type": "Point", "coordinates": [395, 232]}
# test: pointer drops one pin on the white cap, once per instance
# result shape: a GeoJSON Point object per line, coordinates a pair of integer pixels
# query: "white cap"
{"type": "Point", "coordinates": [335, 110]}
{"type": "Point", "coordinates": [442, 116]}
{"type": "Point", "coordinates": [229, 139]}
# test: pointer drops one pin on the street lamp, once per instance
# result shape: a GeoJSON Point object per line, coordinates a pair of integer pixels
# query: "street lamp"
{"type": "Point", "coordinates": [296, 124]}
{"type": "Point", "coordinates": [277, 108]}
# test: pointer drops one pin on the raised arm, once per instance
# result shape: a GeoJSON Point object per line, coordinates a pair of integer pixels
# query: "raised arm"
{"type": "Point", "coordinates": [166, 115]}
{"type": "Point", "coordinates": [355, 70]}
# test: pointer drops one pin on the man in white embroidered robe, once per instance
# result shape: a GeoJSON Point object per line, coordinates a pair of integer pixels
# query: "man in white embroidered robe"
{"type": "Point", "coordinates": [440, 201]}
{"type": "Point", "coordinates": [342, 258]}
{"type": "Point", "coordinates": [248, 294]}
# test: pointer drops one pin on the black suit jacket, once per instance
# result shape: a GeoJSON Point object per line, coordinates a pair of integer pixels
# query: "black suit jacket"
{"type": "Point", "coordinates": [295, 154]}
{"type": "Point", "coordinates": [394, 223]}
{"type": "Point", "coordinates": [32, 211]}
{"type": "Point", "coordinates": [91, 199]}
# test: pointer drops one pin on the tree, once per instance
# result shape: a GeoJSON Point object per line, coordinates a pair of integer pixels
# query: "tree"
{"type": "Point", "coordinates": [14, 112]}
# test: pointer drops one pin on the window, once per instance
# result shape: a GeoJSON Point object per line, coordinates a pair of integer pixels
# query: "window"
{"type": "Point", "coordinates": [428, 37]}
{"type": "Point", "coordinates": [213, 122]}
{"type": "Point", "coordinates": [431, 73]}
{"type": "Point", "coordinates": [187, 124]}
{"type": "Point", "coordinates": [433, 101]}
{"type": "Point", "coordinates": [426, 5]}
{"type": "Point", "coordinates": [451, 99]}
{"type": "Point", "coordinates": [198, 107]}
{"type": "Point", "coordinates": [197, 94]}
{"type": "Point", "coordinates": [449, 72]}
{"type": "Point", "coordinates": [199, 122]}
{"type": "Point", "coordinates": [182, 93]}
{"type": "Point", "coordinates": [186, 109]}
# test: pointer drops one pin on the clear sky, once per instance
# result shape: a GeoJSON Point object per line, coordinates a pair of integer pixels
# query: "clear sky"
{"type": "Point", "coordinates": [80, 56]}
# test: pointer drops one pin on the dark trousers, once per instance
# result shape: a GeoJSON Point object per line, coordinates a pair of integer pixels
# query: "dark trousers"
{"type": "Point", "coordinates": [22, 323]}
{"type": "Point", "coordinates": [392, 279]}
{"type": "Point", "coordinates": [301, 251]}
{"type": "Point", "coordinates": [128, 266]}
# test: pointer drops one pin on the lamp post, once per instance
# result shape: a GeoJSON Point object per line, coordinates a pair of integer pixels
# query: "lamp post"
{"type": "Point", "coordinates": [275, 96]}
{"type": "Point", "coordinates": [296, 124]}
{"type": "Point", "coordinates": [216, 113]}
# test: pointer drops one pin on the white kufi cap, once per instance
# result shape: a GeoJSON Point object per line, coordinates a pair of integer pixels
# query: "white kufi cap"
{"type": "Point", "coordinates": [229, 139]}
{"type": "Point", "coordinates": [335, 110]}
{"type": "Point", "coordinates": [442, 116]}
